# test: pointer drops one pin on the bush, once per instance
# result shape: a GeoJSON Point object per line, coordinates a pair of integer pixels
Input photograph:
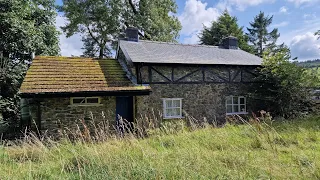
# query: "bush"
{"type": "Point", "coordinates": [284, 89]}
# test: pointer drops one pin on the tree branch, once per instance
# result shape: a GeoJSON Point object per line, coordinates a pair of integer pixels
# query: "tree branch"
{"type": "Point", "coordinates": [133, 7]}
{"type": "Point", "coordinates": [94, 38]}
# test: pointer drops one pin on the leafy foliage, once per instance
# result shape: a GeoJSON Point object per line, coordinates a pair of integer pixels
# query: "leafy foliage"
{"type": "Point", "coordinates": [26, 26]}
{"type": "Point", "coordinates": [11, 76]}
{"type": "Point", "coordinates": [285, 87]}
{"type": "Point", "coordinates": [155, 19]}
{"type": "Point", "coordinates": [225, 26]}
{"type": "Point", "coordinates": [317, 34]}
{"type": "Point", "coordinates": [103, 22]}
{"type": "Point", "coordinates": [259, 35]}
{"type": "Point", "coordinates": [98, 20]}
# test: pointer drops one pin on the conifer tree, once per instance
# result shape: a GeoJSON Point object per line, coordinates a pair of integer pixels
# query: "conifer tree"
{"type": "Point", "coordinates": [225, 26]}
{"type": "Point", "coordinates": [259, 35]}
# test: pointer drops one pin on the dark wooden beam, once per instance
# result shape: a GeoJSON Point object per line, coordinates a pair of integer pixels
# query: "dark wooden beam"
{"type": "Point", "coordinates": [254, 74]}
{"type": "Point", "coordinates": [237, 73]}
{"type": "Point", "coordinates": [138, 73]}
{"type": "Point", "coordinates": [187, 75]}
{"type": "Point", "coordinates": [203, 70]}
{"type": "Point", "coordinates": [172, 74]}
{"type": "Point", "coordinates": [150, 73]}
{"type": "Point", "coordinates": [217, 75]}
{"type": "Point", "coordinates": [195, 65]}
{"type": "Point", "coordinates": [200, 82]}
{"type": "Point", "coordinates": [161, 74]}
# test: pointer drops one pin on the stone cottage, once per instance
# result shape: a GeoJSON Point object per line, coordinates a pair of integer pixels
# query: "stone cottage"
{"type": "Point", "coordinates": [175, 80]}
{"type": "Point", "coordinates": [60, 91]}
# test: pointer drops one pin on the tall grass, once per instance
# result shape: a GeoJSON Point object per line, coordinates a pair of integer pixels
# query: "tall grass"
{"type": "Point", "coordinates": [256, 149]}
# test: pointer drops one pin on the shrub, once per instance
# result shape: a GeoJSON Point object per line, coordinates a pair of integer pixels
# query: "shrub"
{"type": "Point", "coordinates": [284, 89]}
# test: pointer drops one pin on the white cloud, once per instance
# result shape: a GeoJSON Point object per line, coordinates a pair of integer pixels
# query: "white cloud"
{"type": "Point", "coordinates": [310, 16]}
{"type": "Point", "coordinates": [192, 39]}
{"type": "Point", "coordinates": [69, 46]}
{"type": "Point", "coordinates": [298, 3]}
{"type": "Point", "coordinates": [283, 9]}
{"type": "Point", "coordinates": [241, 5]}
{"type": "Point", "coordinates": [195, 15]}
{"type": "Point", "coordinates": [282, 24]}
{"type": "Point", "coordinates": [305, 46]}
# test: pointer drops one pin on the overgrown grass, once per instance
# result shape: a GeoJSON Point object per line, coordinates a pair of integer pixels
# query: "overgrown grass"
{"type": "Point", "coordinates": [257, 150]}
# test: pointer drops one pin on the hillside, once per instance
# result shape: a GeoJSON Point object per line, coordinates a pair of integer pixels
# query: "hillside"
{"type": "Point", "coordinates": [309, 64]}
{"type": "Point", "coordinates": [287, 150]}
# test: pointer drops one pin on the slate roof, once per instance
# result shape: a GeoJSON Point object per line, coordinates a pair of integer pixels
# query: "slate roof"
{"type": "Point", "coordinates": [69, 74]}
{"type": "Point", "coordinates": [160, 52]}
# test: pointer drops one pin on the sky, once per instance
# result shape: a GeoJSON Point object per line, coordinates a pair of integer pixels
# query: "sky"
{"type": "Point", "coordinates": [296, 20]}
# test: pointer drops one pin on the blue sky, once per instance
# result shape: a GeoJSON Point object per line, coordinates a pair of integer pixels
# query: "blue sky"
{"type": "Point", "coordinates": [297, 20]}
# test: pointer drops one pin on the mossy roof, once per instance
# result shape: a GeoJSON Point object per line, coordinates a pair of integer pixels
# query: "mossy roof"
{"type": "Point", "coordinates": [74, 74]}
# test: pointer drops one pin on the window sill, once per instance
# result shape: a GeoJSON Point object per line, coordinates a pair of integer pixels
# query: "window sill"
{"type": "Point", "coordinates": [173, 117]}
{"type": "Point", "coordinates": [85, 105]}
{"type": "Point", "coordinates": [238, 113]}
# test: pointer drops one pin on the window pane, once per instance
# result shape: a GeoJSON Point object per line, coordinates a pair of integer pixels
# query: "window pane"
{"type": "Point", "coordinates": [229, 108]}
{"type": "Point", "coordinates": [176, 112]}
{"type": "Point", "coordinates": [235, 108]}
{"type": "Point", "coordinates": [176, 103]}
{"type": "Point", "coordinates": [235, 100]}
{"type": "Point", "coordinates": [168, 103]}
{"type": "Point", "coordinates": [242, 108]}
{"type": "Point", "coordinates": [168, 113]}
{"type": "Point", "coordinates": [93, 100]}
{"type": "Point", "coordinates": [78, 100]}
{"type": "Point", "coordinates": [229, 100]}
{"type": "Point", "coordinates": [242, 100]}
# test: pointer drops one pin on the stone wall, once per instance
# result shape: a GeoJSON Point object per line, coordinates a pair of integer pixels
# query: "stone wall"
{"type": "Point", "coordinates": [200, 100]}
{"type": "Point", "coordinates": [57, 114]}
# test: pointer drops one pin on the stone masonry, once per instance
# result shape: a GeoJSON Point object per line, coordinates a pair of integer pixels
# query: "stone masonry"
{"type": "Point", "coordinates": [200, 100]}
{"type": "Point", "coordinates": [58, 114]}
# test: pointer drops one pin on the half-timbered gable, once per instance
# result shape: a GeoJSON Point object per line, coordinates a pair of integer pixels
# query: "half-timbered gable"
{"type": "Point", "coordinates": [190, 80]}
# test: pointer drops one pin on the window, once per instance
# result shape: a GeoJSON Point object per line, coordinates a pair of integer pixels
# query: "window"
{"type": "Point", "coordinates": [236, 105]}
{"type": "Point", "coordinates": [85, 101]}
{"type": "Point", "coordinates": [172, 108]}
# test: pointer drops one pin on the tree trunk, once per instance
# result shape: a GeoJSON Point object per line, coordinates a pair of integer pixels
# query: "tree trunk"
{"type": "Point", "coordinates": [101, 53]}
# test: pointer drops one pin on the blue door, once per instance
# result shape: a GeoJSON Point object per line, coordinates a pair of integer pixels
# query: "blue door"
{"type": "Point", "coordinates": [124, 108]}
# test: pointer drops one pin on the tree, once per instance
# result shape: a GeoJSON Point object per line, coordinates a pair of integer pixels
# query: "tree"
{"type": "Point", "coordinates": [284, 87]}
{"type": "Point", "coordinates": [259, 35]}
{"type": "Point", "coordinates": [98, 20]}
{"type": "Point", "coordinates": [155, 19]}
{"type": "Point", "coordinates": [102, 22]}
{"type": "Point", "coordinates": [225, 26]}
{"type": "Point", "coordinates": [26, 27]}
{"type": "Point", "coordinates": [317, 34]}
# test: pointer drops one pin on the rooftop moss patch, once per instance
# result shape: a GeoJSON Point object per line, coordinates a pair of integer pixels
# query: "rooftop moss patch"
{"type": "Point", "coordinates": [74, 74]}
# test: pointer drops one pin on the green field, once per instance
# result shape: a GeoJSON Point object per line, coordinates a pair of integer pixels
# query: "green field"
{"type": "Point", "coordinates": [283, 150]}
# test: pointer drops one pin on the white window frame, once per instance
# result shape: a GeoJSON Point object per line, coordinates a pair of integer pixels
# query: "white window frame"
{"type": "Point", "coordinates": [238, 104]}
{"type": "Point", "coordinates": [85, 101]}
{"type": "Point", "coordinates": [164, 100]}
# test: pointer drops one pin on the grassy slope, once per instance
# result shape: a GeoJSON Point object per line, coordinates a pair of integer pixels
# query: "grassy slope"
{"type": "Point", "coordinates": [232, 152]}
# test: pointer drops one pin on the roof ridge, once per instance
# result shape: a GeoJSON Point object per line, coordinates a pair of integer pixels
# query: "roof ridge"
{"type": "Point", "coordinates": [180, 44]}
